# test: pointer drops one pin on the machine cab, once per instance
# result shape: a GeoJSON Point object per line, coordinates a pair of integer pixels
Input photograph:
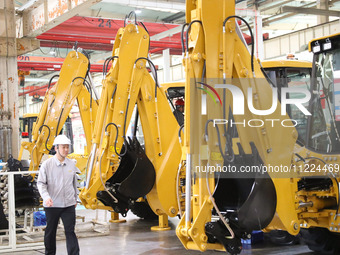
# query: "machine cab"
{"type": "Point", "coordinates": [291, 74]}
{"type": "Point", "coordinates": [323, 134]}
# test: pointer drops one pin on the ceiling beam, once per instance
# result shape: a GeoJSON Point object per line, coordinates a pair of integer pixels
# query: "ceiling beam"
{"type": "Point", "coordinates": [313, 11]}
{"type": "Point", "coordinates": [52, 66]}
{"type": "Point", "coordinates": [29, 4]}
{"type": "Point", "coordinates": [275, 6]}
{"type": "Point", "coordinates": [102, 40]}
{"type": "Point", "coordinates": [25, 45]}
{"type": "Point", "coordinates": [173, 17]}
{"type": "Point", "coordinates": [280, 15]}
{"type": "Point", "coordinates": [151, 4]}
{"type": "Point", "coordinates": [166, 33]}
{"type": "Point", "coordinates": [275, 18]}
{"type": "Point", "coordinates": [51, 13]}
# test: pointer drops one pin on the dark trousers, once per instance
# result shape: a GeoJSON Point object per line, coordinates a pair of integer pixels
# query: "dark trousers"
{"type": "Point", "coordinates": [68, 216]}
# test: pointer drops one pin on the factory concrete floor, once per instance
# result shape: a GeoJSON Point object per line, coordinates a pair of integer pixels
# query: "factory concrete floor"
{"type": "Point", "coordinates": [135, 238]}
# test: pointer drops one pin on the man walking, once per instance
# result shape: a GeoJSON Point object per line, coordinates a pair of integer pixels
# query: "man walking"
{"type": "Point", "coordinates": [57, 184]}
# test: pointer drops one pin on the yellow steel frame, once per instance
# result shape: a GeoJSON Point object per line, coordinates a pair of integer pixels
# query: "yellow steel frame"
{"type": "Point", "coordinates": [286, 63]}
{"type": "Point", "coordinates": [226, 57]}
{"type": "Point", "coordinates": [134, 85]}
{"type": "Point", "coordinates": [57, 105]}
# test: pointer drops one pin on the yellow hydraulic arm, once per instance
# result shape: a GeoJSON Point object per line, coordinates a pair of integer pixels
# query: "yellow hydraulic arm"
{"type": "Point", "coordinates": [216, 54]}
{"type": "Point", "coordinates": [119, 170]}
{"type": "Point", "coordinates": [223, 139]}
{"type": "Point", "coordinates": [71, 86]}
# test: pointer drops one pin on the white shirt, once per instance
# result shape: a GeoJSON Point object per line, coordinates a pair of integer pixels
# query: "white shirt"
{"type": "Point", "coordinates": [57, 180]}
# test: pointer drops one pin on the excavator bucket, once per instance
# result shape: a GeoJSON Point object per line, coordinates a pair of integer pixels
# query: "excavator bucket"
{"type": "Point", "coordinates": [135, 175]}
{"type": "Point", "coordinates": [259, 208]}
{"type": "Point", "coordinates": [249, 202]}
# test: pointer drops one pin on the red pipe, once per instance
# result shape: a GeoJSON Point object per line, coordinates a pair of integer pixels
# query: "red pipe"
{"type": "Point", "coordinates": [86, 46]}
{"type": "Point", "coordinates": [78, 38]}
{"type": "Point", "coordinates": [102, 40]}
{"type": "Point", "coordinates": [52, 66]}
{"type": "Point", "coordinates": [155, 50]}
{"type": "Point", "coordinates": [34, 90]}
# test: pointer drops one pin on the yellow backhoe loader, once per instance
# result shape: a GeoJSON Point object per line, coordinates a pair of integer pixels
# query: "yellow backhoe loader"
{"type": "Point", "coordinates": [120, 171]}
{"type": "Point", "coordinates": [258, 174]}
{"type": "Point", "coordinates": [43, 128]}
{"type": "Point", "coordinates": [71, 86]}
{"type": "Point", "coordinates": [246, 166]}
{"type": "Point", "coordinates": [26, 130]}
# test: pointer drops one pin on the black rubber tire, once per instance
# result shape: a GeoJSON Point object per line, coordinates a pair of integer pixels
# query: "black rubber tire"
{"type": "Point", "coordinates": [3, 219]}
{"type": "Point", "coordinates": [281, 237]}
{"type": "Point", "coordinates": [321, 240]}
{"type": "Point", "coordinates": [143, 211]}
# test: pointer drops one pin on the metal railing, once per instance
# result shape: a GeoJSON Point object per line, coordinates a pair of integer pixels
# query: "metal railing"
{"type": "Point", "coordinates": [12, 238]}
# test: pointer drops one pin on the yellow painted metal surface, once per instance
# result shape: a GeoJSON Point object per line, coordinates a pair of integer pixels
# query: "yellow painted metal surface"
{"type": "Point", "coordinates": [30, 115]}
{"type": "Point", "coordinates": [166, 86]}
{"type": "Point", "coordinates": [226, 60]}
{"type": "Point", "coordinates": [57, 105]}
{"type": "Point", "coordinates": [286, 63]}
{"type": "Point", "coordinates": [227, 57]}
{"type": "Point", "coordinates": [127, 84]}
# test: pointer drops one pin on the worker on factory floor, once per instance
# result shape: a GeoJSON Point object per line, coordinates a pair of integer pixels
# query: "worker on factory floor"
{"type": "Point", "coordinates": [178, 112]}
{"type": "Point", "coordinates": [57, 184]}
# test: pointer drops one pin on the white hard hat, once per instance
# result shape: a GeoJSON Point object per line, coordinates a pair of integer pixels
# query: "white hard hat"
{"type": "Point", "coordinates": [62, 139]}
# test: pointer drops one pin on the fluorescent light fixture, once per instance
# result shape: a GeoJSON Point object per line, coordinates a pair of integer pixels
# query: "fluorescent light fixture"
{"type": "Point", "coordinates": [138, 11]}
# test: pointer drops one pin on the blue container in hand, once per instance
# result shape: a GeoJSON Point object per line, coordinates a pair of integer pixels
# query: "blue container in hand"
{"type": "Point", "coordinates": [39, 218]}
